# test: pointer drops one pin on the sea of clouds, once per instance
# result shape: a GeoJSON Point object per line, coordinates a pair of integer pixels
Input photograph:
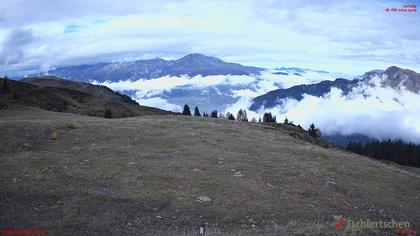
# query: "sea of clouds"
{"type": "Point", "coordinates": [369, 109]}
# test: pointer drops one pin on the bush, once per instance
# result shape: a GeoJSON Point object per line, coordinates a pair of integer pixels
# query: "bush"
{"type": "Point", "coordinates": [70, 125]}
{"type": "Point", "coordinates": [108, 113]}
{"type": "Point", "coordinates": [6, 83]}
{"type": "Point", "coordinates": [55, 136]}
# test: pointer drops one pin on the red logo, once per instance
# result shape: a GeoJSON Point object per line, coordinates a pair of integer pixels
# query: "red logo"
{"type": "Point", "coordinates": [405, 231]}
{"type": "Point", "coordinates": [23, 231]}
{"type": "Point", "coordinates": [340, 223]}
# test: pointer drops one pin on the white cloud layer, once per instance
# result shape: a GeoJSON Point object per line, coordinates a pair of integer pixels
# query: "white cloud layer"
{"type": "Point", "coordinates": [373, 111]}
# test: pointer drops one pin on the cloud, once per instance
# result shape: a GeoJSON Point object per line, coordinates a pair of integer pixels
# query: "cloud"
{"type": "Point", "coordinates": [212, 92]}
{"type": "Point", "coordinates": [373, 111]}
{"type": "Point", "coordinates": [151, 87]}
{"type": "Point", "coordinates": [345, 36]}
{"type": "Point", "coordinates": [158, 102]}
{"type": "Point", "coordinates": [15, 44]}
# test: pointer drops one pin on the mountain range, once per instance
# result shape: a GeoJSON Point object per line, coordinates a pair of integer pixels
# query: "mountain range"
{"type": "Point", "coordinates": [210, 83]}
{"type": "Point", "coordinates": [191, 65]}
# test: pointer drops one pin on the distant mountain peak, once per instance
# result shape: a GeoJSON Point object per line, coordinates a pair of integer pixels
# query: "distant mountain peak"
{"type": "Point", "coordinates": [195, 59]}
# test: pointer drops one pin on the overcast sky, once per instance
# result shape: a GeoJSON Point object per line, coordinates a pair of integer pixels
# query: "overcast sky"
{"type": "Point", "coordinates": [339, 36]}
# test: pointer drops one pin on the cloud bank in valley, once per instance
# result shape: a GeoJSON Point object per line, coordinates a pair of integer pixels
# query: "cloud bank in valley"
{"type": "Point", "coordinates": [378, 112]}
{"type": "Point", "coordinates": [239, 87]}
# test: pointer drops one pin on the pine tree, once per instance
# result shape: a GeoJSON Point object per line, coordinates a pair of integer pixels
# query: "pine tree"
{"type": "Point", "coordinates": [313, 131]}
{"type": "Point", "coordinates": [230, 116]}
{"type": "Point", "coordinates": [286, 121]}
{"type": "Point", "coordinates": [244, 116]}
{"type": "Point", "coordinates": [213, 114]}
{"type": "Point", "coordinates": [196, 111]}
{"type": "Point", "coordinates": [186, 111]}
{"type": "Point", "coordinates": [239, 115]}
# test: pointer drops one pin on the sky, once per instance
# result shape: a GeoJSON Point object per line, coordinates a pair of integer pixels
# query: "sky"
{"type": "Point", "coordinates": [339, 36]}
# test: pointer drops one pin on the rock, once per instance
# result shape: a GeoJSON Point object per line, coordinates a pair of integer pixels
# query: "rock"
{"type": "Point", "coordinates": [203, 199]}
{"type": "Point", "coordinates": [237, 174]}
{"type": "Point", "coordinates": [270, 185]}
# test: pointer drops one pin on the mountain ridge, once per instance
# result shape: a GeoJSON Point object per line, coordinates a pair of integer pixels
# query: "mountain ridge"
{"type": "Point", "coordinates": [191, 65]}
{"type": "Point", "coordinates": [394, 77]}
{"type": "Point", "coordinates": [56, 94]}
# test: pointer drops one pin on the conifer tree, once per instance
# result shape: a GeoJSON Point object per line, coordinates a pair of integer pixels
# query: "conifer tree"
{"type": "Point", "coordinates": [186, 111]}
{"type": "Point", "coordinates": [196, 111]}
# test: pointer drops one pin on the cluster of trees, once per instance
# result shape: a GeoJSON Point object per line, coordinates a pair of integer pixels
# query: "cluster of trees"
{"type": "Point", "coordinates": [242, 116]}
{"type": "Point", "coordinates": [396, 151]}
{"type": "Point", "coordinates": [268, 117]}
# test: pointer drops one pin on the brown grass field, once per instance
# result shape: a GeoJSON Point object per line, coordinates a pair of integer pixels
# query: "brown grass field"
{"type": "Point", "coordinates": [167, 175]}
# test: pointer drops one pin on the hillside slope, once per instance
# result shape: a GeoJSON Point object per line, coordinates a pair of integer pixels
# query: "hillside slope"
{"type": "Point", "coordinates": [55, 94]}
{"type": "Point", "coordinates": [166, 175]}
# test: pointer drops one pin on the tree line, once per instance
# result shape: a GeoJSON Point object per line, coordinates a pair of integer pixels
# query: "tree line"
{"type": "Point", "coordinates": [242, 116]}
{"type": "Point", "coordinates": [392, 150]}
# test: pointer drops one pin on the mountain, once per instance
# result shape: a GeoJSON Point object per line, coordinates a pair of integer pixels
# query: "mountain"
{"type": "Point", "coordinates": [396, 78]}
{"type": "Point", "coordinates": [55, 94]}
{"type": "Point", "coordinates": [393, 77]}
{"type": "Point", "coordinates": [273, 98]}
{"type": "Point", "coordinates": [191, 65]}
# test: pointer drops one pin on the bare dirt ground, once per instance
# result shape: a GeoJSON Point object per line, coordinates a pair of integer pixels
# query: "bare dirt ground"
{"type": "Point", "coordinates": [167, 175]}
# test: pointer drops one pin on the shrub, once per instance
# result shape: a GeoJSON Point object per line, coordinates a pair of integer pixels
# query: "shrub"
{"type": "Point", "coordinates": [6, 83]}
{"type": "Point", "coordinates": [70, 125]}
{"type": "Point", "coordinates": [108, 113]}
{"type": "Point", "coordinates": [55, 136]}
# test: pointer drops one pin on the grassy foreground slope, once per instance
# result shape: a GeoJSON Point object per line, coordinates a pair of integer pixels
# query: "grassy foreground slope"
{"type": "Point", "coordinates": [169, 174]}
